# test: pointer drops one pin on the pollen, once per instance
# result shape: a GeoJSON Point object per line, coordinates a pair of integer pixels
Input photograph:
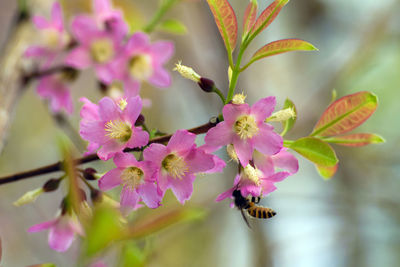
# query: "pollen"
{"type": "Point", "coordinates": [132, 177]}
{"type": "Point", "coordinates": [252, 174]}
{"type": "Point", "coordinates": [246, 127]}
{"type": "Point", "coordinates": [238, 99]}
{"type": "Point", "coordinates": [232, 153]}
{"type": "Point", "coordinates": [102, 50]}
{"type": "Point", "coordinates": [140, 67]}
{"type": "Point", "coordinates": [119, 130]}
{"type": "Point", "coordinates": [187, 72]}
{"type": "Point", "coordinates": [122, 103]}
{"type": "Point", "coordinates": [175, 166]}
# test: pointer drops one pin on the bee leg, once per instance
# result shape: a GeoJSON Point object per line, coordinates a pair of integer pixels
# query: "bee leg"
{"type": "Point", "coordinates": [245, 218]}
{"type": "Point", "coordinates": [257, 200]}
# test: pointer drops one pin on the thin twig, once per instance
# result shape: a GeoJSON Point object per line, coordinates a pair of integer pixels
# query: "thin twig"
{"type": "Point", "coordinates": [92, 157]}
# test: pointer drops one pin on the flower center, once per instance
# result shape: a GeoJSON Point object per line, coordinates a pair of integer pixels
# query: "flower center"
{"type": "Point", "coordinates": [122, 103]}
{"type": "Point", "coordinates": [132, 177]}
{"type": "Point", "coordinates": [119, 130]}
{"type": "Point", "coordinates": [246, 127]}
{"type": "Point", "coordinates": [175, 166]}
{"type": "Point", "coordinates": [51, 38]}
{"type": "Point", "coordinates": [102, 50]}
{"type": "Point", "coordinates": [140, 67]}
{"type": "Point", "coordinates": [252, 174]}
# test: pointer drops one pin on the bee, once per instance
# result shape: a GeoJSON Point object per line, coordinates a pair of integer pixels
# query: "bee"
{"type": "Point", "coordinates": [250, 204]}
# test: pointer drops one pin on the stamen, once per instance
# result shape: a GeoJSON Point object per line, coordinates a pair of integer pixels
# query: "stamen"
{"type": "Point", "coordinates": [252, 174]}
{"type": "Point", "coordinates": [239, 99]}
{"type": "Point", "coordinates": [119, 130]}
{"type": "Point", "coordinates": [102, 50]}
{"type": "Point", "coordinates": [246, 127]}
{"type": "Point", "coordinates": [132, 177]}
{"type": "Point", "coordinates": [140, 67]}
{"type": "Point", "coordinates": [175, 166]}
{"type": "Point", "coordinates": [122, 103]}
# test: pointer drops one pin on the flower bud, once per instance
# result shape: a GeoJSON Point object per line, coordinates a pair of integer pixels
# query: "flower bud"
{"type": "Point", "coordinates": [206, 85]}
{"type": "Point", "coordinates": [282, 115]}
{"type": "Point", "coordinates": [90, 174]}
{"type": "Point", "coordinates": [140, 120]}
{"type": "Point", "coordinates": [51, 185]}
{"type": "Point", "coordinates": [187, 72]}
{"type": "Point", "coordinates": [28, 197]}
{"type": "Point", "coordinates": [96, 196]}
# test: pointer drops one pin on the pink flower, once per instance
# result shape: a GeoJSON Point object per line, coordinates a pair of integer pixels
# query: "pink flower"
{"type": "Point", "coordinates": [54, 88]}
{"type": "Point", "coordinates": [62, 231]}
{"type": "Point", "coordinates": [245, 128]}
{"type": "Point", "coordinates": [54, 37]}
{"type": "Point", "coordinates": [89, 112]}
{"type": "Point", "coordinates": [178, 162]}
{"type": "Point", "coordinates": [113, 128]}
{"type": "Point", "coordinates": [96, 48]}
{"type": "Point", "coordinates": [260, 179]}
{"type": "Point", "coordinates": [141, 61]}
{"type": "Point", "coordinates": [110, 19]}
{"type": "Point", "coordinates": [138, 181]}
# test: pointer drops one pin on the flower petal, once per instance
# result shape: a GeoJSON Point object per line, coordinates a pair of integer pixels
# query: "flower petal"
{"type": "Point", "coordinates": [162, 51]}
{"type": "Point", "coordinates": [225, 194]}
{"type": "Point", "coordinates": [124, 160]}
{"type": "Point", "coordinates": [84, 27]}
{"type": "Point", "coordinates": [160, 78]}
{"type": "Point", "coordinates": [61, 236]}
{"type": "Point", "coordinates": [218, 136]}
{"type": "Point", "coordinates": [139, 138]}
{"type": "Point", "coordinates": [57, 17]}
{"type": "Point", "coordinates": [199, 161]}
{"type": "Point", "coordinates": [108, 110]}
{"type": "Point", "coordinates": [109, 149]}
{"type": "Point", "coordinates": [277, 177]}
{"type": "Point", "coordinates": [267, 187]}
{"type": "Point", "coordinates": [138, 41]}
{"type": "Point", "coordinates": [36, 51]}
{"type": "Point", "coordinates": [93, 131]}
{"type": "Point", "coordinates": [79, 58]}
{"type": "Point", "coordinates": [243, 149]}
{"type": "Point", "coordinates": [181, 140]}
{"type": "Point", "coordinates": [104, 73]}
{"type": "Point", "coordinates": [263, 108]}
{"type": "Point", "coordinates": [263, 163]}
{"type": "Point", "coordinates": [155, 153]}
{"type": "Point", "coordinates": [231, 112]}
{"type": "Point", "coordinates": [133, 109]}
{"type": "Point", "coordinates": [40, 22]}
{"type": "Point", "coordinates": [150, 195]}
{"type": "Point", "coordinates": [89, 111]}
{"type": "Point", "coordinates": [285, 160]}
{"type": "Point", "coordinates": [267, 141]}
{"type": "Point", "coordinates": [41, 226]}
{"type": "Point", "coordinates": [183, 188]}
{"type": "Point", "coordinates": [111, 179]}
{"type": "Point", "coordinates": [129, 198]}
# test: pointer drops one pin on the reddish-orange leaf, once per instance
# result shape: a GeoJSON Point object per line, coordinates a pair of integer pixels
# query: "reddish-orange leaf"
{"type": "Point", "coordinates": [268, 15]}
{"type": "Point", "coordinates": [250, 16]}
{"type": "Point", "coordinates": [358, 139]}
{"type": "Point", "coordinates": [226, 21]}
{"type": "Point", "coordinates": [282, 46]}
{"type": "Point", "coordinates": [327, 172]}
{"type": "Point", "coordinates": [345, 114]}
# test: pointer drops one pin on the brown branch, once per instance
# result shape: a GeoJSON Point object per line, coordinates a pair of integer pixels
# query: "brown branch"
{"type": "Point", "coordinates": [58, 166]}
{"type": "Point", "coordinates": [28, 77]}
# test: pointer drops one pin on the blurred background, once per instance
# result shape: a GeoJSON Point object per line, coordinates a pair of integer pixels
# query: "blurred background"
{"type": "Point", "coordinates": [351, 220]}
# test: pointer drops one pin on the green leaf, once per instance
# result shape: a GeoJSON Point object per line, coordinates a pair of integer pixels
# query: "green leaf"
{"type": "Point", "coordinates": [104, 229]}
{"type": "Point", "coordinates": [250, 16]}
{"type": "Point", "coordinates": [288, 124]}
{"type": "Point", "coordinates": [315, 150]}
{"type": "Point", "coordinates": [358, 139]}
{"type": "Point", "coordinates": [345, 114]}
{"type": "Point", "coordinates": [132, 255]}
{"type": "Point", "coordinates": [267, 16]}
{"type": "Point", "coordinates": [43, 265]}
{"type": "Point", "coordinates": [173, 26]}
{"type": "Point", "coordinates": [226, 21]}
{"type": "Point", "coordinates": [326, 172]}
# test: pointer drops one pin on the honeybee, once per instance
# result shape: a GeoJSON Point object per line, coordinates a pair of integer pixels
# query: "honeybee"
{"type": "Point", "coordinates": [250, 204]}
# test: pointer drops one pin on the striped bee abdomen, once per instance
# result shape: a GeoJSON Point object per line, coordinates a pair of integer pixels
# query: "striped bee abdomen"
{"type": "Point", "coordinates": [260, 212]}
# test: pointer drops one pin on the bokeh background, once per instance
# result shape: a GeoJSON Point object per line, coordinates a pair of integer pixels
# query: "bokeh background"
{"type": "Point", "coordinates": [351, 220]}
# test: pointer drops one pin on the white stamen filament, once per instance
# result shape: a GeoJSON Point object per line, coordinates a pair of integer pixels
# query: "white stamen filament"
{"type": "Point", "coordinates": [175, 166]}
{"type": "Point", "coordinates": [119, 130]}
{"type": "Point", "coordinates": [132, 177]}
{"type": "Point", "coordinates": [246, 127]}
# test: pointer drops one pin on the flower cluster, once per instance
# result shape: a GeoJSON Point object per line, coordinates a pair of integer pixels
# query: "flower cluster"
{"type": "Point", "coordinates": [100, 41]}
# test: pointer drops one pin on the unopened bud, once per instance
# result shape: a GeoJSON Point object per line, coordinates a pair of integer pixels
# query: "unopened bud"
{"type": "Point", "coordinates": [232, 153]}
{"type": "Point", "coordinates": [51, 185]}
{"type": "Point", "coordinates": [96, 195]}
{"type": "Point", "coordinates": [90, 174]}
{"type": "Point", "coordinates": [238, 99]}
{"type": "Point", "coordinates": [282, 115]}
{"type": "Point", "coordinates": [206, 85]}
{"type": "Point", "coordinates": [69, 74]}
{"type": "Point", "coordinates": [187, 72]}
{"type": "Point", "coordinates": [28, 197]}
{"type": "Point", "coordinates": [140, 120]}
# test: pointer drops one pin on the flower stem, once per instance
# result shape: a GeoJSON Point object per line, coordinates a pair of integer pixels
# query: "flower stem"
{"type": "Point", "coordinates": [235, 75]}
{"type": "Point", "coordinates": [165, 6]}
{"type": "Point", "coordinates": [220, 94]}
{"type": "Point", "coordinates": [58, 166]}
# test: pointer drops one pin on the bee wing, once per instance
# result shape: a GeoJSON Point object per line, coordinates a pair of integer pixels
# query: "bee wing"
{"type": "Point", "coordinates": [245, 218]}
